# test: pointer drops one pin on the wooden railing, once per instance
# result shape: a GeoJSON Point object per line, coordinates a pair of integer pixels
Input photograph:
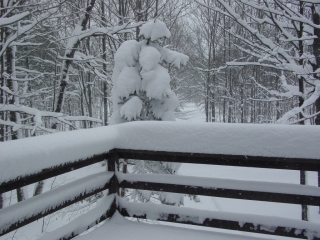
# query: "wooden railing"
{"type": "Point", "coordinates": [18, 215]}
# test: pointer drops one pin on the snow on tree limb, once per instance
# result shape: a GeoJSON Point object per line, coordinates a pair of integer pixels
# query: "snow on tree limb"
{"type": "Point", "coordinates": [13, 19]}
{"type": "Point", "coordinates": [293, 112]}
{"type": "Point", "coordinates": [26, 28]}
{"type": "Point", "coordinates": [174, 58]}
{"type": "Point", "coordinates": [154, 30]}
{"type": "Point", "coordinates": [131, 109]}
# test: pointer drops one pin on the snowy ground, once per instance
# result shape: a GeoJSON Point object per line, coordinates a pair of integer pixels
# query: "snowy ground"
{"type": "Point", "coordinates": [141, 231]}
{"type": "Point", "coordinates": [192, 113]}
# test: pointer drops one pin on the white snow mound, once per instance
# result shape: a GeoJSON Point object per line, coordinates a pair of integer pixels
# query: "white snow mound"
{"type": "Point", "coordinates": [129, 81]}
{"type": "Point", "coordinates": [149, 58]}
{"type": "Point", "coordinates": [154, 30]}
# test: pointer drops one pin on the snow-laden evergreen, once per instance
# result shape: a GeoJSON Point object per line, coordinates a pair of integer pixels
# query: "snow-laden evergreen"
{"type": "Point", "coordinates": [141, 90]}
{"type": "Point", "coordinates": [141, 85]}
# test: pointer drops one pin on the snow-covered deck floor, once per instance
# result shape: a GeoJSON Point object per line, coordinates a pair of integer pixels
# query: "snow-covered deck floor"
{"type": "Point", "coordinates": [120, 228]}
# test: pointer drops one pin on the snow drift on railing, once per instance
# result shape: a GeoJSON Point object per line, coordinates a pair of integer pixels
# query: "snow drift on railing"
{"type": "Point", "coordinates": [28, 156]}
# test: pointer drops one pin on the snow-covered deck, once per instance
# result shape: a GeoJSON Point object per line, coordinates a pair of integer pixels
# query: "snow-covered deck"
{"type": "Point", "coordinates": [120, 228]}
{"type": "Point", "coordinates": [45, 152]}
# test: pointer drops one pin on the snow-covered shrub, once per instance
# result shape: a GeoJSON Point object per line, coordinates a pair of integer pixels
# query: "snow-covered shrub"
{"type": "Point", "coordinates": [141, 91]}
{"type": "Point", "coordinates": [141, 86]}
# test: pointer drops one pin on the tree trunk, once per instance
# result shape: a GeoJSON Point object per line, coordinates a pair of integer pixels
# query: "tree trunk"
{"type": "Point", "coordinates": [304, 213]}
{"type": "Point", "coordinates": [66, 63]}
{"type": "Point", "coordinates": [104, 67]}
{"type": "Point", "coordinates": [2, 95]}
{"type": "Point", "coordinates": [14, 116]}
{"type": "Point", "coordinates": [316, 52]}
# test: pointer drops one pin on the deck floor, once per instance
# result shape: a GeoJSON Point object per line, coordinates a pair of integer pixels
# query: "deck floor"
{"type": "Point", "coordinates": [119, 228]}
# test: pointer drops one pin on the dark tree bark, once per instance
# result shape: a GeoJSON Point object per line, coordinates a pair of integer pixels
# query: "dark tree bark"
{"type": "Point", "coordinates": [10, 62]}
{"type": "Point", "coordinates": [104, 66]}
{"type": "Point", "coordinates": [316, 52]}
{"type": "Point", "coordinates": [304, 208]}
{"type": "Point", "coordinates": [2, 114]}
{"type": "Point", "coordinates": [66, 63]}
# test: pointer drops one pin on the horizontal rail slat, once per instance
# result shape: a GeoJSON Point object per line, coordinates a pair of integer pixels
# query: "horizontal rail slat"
{"type": "Point", "coordinates": [25, 212]}
{"type": "Point", "coordinates": [219, 159]}
{"type": "Point", "coordinates": [105, 209]}
{"type": "Point", "coordinates": [227, 188]}
{"type": "Point", "coordinates": [232, 221]}
{"type": "Point", "coordinates": [49, 172]}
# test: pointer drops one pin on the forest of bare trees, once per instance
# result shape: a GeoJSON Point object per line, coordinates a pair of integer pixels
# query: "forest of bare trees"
{"type": "Point", "coordinates": [250, 61]}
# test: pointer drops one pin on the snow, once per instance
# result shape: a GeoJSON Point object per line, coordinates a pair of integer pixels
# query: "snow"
{"type": "Point", "coordinates": [168, 116]}
{"type": "Point", "coordinates": [142, 231]}
{"type": "Point", "coordinates": [159, 211]}
{"type": "Point", "coordinates": [82, 118]}
{"type": "Point", "coordinates": [27, 27]}
{"type": "Point", "coordinates": [149, 58]}
{"type": "Point", "coordinates": [129, 82]}
{"type": "Point", "coordinates": [164, 110]}
{"type": "Point", "coordinates": [175, 58]}
{"type": "Point", "coordinates": [221, 138]}
{"type": "Point", "coordinates": [301, 140]}
{"type": "Point", "coordinates": [155, 82]}
{"type": "Point", "coordinates": [127, 54]}
{"type": "Point", "coordinates": [7, 90]}
{"type": "Point", "coordinates": [138, 73]}
{"type": "Point", "coordinates": [81, 224]}
{"type": "Point", "coordinates": [55, 197]}
{"type": "Point", "coordinates": [28, 110]}
{"type": "Point", "coordinates": [131, 109]}
{"type": "Point", "coordinates": [37, 120]}
{"type": "Point", "coordinates": [214, 183]}
{"type": "Point", "coordinates": [37, 153]}
{"type": "Point", "coordinates": [13, 19]}
{"type": "Point", "coordinates": [154, 30]}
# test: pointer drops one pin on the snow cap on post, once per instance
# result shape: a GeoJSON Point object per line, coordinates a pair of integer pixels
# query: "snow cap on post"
{"type": "Point", "coordinates": [154, 30]}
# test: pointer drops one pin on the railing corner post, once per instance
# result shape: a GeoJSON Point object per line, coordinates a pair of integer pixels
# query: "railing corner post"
{"type": "Point", "coordinates": [112, 161]}
{"type": "Point", "coordinates": [114, 184]}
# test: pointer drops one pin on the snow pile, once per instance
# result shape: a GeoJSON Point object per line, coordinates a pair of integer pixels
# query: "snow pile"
{"type": "Point", "coordinates": [128, 82]}
{"type": "Point", "coordinates": [154, 30]}
{"type": "Point", "coordinates": [132, 108]}
{"type": "Point", "coordinates": [149, 58]}
{"type": "Point", "coordinates": [156, 83]}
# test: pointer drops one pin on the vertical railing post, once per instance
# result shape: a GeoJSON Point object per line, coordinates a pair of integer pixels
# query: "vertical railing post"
{"type": "Point", "coordinates": [114, 184]}
{"type": "Point", "coordinates": [112, 161]}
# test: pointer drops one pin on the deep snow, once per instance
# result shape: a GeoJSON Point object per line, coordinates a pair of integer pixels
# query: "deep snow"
{"type": "Point", "coordinates": [99, 139]}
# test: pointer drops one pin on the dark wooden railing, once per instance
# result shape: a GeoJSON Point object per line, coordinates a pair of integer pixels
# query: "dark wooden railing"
{"type": "Point", "coordinates": [282, 193]}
